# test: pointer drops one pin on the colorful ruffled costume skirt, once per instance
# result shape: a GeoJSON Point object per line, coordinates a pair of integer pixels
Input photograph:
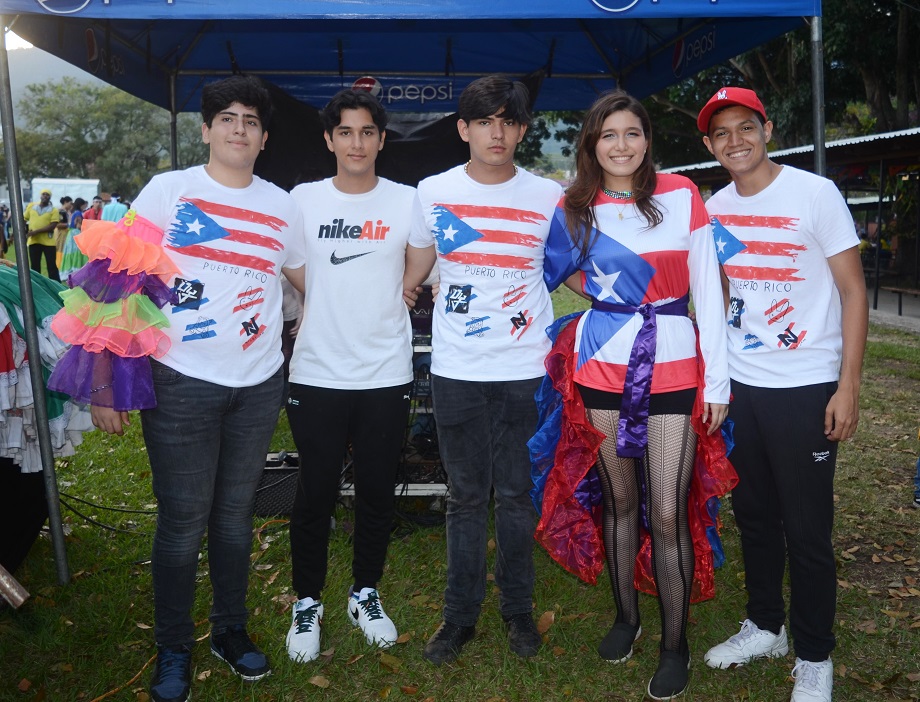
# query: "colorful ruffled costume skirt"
{"type": "Point", "coordinates": [112, 315]}
{"type": "Point", "coordinates": [567, 490]}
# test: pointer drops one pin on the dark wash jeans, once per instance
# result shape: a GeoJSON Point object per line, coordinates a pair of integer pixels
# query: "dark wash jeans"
{"type": "Point", "coordinates": [207, 445]}
{"type": "Point", "coordinates": [483, 429]}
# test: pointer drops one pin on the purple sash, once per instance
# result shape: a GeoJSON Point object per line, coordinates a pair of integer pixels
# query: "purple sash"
{"type": "Point", "coordinates": [632, 432]}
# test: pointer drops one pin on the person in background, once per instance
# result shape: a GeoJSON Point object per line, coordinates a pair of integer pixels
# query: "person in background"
{"type": "Point", "coordinates": [60, 234]}
{"type": "Point", "coordinates": [114, 210]}
{"type": "Point", "coordinates": [6, 228]}
{"type": "Point", "coordinates": [95, 210]}
{"type": "Point", "coordinates": [486, 224]}
{"type": "Point", "coordinates": [42, 219]}
{"type": "Point", "coordinates": [638, 244]}
{"type": "Point", "coordinates": [72, 258]}
{"type": "Point", "coordinates": [797, 323]}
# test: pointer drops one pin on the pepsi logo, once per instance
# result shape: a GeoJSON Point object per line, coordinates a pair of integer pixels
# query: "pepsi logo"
{"type": "Point", "coordinates": [368, 84]}
{"type": "Point", "coordinates": [677, 58]}
{"type": "Point", "coordinates": [618, 5]}
{"type": "Point", "coordinates": [63, 7]}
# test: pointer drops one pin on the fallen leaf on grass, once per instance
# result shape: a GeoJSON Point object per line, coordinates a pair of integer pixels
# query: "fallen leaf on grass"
{"type": "Point", "coordinates": [326, 656]}
{"type": "Point", "coordinates": [141, 625]}
{"type": "Point", "coordinates": [869, 626]}
{"type": "Point", "coordinates": [391, 663]}
{"type": "Point", "coordinates": [546, 621]}
{"type": "Point", "coordinates": [142, 697]}
{"type": "Point", "coordinates": [913, 677]}
{"type": "Point", "coordinates": [895, 615]}
{"type": "Point", "coordinates": [491, 544]}
{"type": "Point", "coordinates": [409, 689]}
{"type": "Point", "coordinates": [558, 651]}
{"type": "Point", "coordinates": [354, 659]}
{"type": "Point", "coordinates": [265, 566]}
{"type": "Point", "coordinates": [62, 668]}
{"type": "Point", "coordinates": [404, 638]}
{"type": "Point", "coordinates": [203, 675]}
{"type": "Point", "coordinates": [419, 600]}
{"type": "Point", "coordinates": [24, 685]}
{"type": "Point", "coordinates": [319, 681]}
{"type": "Point", "coordinates": [384, 693]}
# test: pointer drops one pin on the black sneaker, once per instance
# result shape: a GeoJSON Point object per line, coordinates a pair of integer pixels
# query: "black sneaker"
{"type": "Point", "coordinates": [523, 638]}
{"type": "Point", "coordinates": [672, 676]}
{"type": "Point", "coordinates": [446, 643]}
{"type": "Point", "coordinates": [617, 645]}
{"type": "Point", "coordinates": [236, 649]}
{"type": "Point", "coordinates": [172, 674]}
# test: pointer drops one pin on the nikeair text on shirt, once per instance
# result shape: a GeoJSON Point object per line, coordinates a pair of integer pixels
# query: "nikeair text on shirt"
{"type": "Point", "coordinates": [339, 230]}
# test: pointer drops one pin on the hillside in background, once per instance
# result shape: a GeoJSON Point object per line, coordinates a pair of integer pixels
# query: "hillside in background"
{"type": "Point", "coordinates": [33, 65]}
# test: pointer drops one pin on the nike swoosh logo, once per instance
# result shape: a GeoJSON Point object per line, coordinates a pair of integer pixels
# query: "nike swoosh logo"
{"type": "Point", "coordinates": [335, 260]}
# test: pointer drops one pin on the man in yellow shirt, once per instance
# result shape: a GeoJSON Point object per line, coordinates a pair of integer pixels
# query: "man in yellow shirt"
{"type": "Point", "coordinates": [42, 219]}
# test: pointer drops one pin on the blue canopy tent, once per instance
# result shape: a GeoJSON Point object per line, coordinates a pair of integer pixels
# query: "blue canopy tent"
{"type": "Point", "coordinates": [418, 55]}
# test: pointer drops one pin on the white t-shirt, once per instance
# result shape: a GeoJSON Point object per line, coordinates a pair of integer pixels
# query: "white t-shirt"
{"type": "Point", "coordinates": [493, 306]}
{"type": "Point", "coordinates": [356, 332]}
{"type": "Point", "coordinates": [229, 245]}
{"type": "Point", "coordinates": [784, 319]}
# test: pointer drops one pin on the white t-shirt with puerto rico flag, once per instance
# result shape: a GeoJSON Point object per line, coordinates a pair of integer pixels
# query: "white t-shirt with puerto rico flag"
{"type": "Point", "coordinates": [229, 245]}
{"type": "Point", "coordinates": [784, 317]}
{"type": "Point", "coordinates": [493, 306]}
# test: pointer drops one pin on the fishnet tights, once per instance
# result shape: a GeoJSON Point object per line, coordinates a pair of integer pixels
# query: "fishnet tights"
{"type": "Point", "coordinates": [668, 468]}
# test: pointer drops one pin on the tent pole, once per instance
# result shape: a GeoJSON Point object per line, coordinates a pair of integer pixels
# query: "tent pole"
{"type": "Point", "coordinates": [817, 94]}
{"type": "Point", "coordinates": [28, 313]}
{"type": "Point", "coordinates": [878, 230]}
{"type": "Point", "coordinates": [173, 126]}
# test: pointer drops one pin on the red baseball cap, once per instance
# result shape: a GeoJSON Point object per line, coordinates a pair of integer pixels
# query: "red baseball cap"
{"type": "Point", "coordinates": [727, 97]}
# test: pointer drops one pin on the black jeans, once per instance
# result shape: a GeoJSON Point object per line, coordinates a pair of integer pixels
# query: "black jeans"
{"type": "Point", "coordinates": [784, 500]}
{"type": "Point", "coordinates": [36, 251]}
{"type": "Point", "coordinates": [323, 421]}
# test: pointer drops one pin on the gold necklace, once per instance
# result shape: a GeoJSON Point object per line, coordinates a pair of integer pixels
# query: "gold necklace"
{"type": "Point", "coordinates": [466, 168]}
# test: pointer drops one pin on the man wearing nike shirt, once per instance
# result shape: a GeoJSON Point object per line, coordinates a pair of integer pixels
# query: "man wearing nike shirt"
{"type": "Point", "coordinates": [351, 371]}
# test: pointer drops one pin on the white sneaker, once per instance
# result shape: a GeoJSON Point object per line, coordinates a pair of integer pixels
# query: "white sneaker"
{"type": "Point", "coordinates": [813, 681]}
{"type": "Point", "coordinates": [749, 643]}
{"type": "Point", "coordinates": [366, 612]}
{"type": "Point", "coordinates": [303, 636]}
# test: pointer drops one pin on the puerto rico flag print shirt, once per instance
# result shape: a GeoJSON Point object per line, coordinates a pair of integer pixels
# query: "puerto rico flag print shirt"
{"type": "Point", "coordinates": [784, 313]}
{"type": "Point", "coordinates": [493, 306]}
{"type": "Point", "coordinates": [230, 245]}
{"type": "Point", "coordinates": [630, 264]}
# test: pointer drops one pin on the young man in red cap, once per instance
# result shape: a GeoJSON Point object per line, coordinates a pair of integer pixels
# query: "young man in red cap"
{"type": "Point", "coordinates": [797, 321]}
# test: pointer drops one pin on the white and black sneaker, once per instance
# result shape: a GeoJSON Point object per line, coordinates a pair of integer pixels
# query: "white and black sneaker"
{"type": "Point", "coordinates": [366, 612]}
{"type": "Point", "coordinates": [303, 636]}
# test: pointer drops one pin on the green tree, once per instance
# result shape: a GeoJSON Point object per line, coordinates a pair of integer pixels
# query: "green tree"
{"type": "Point", "coordinates": [72, 130]}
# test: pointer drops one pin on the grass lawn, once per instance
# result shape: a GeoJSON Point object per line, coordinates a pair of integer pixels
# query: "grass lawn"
{"type": "Point", "coordinates": [93, 636]}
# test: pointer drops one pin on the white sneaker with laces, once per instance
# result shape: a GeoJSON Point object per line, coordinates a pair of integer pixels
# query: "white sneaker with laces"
{"type": "Point", "coordinates": [814, 682]}
{"type": "Point", "coordinates": [749, 643]}
{"type": "Point", "coordinates": [366, 611]}
{"type": "Point", "coordinates": [303, 636]}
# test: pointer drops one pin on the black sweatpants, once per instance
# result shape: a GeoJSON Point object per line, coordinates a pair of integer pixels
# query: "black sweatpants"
{"type": "Point", "coordinates": [784, 501]}
{"type": "Point", "coordinates": [323, 421]}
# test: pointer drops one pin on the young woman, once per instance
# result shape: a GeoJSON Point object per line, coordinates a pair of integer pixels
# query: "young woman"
{"type": "Point", "coordinates": [639, 245]}
{"type": "Point", "coordinates": [73, 259]}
